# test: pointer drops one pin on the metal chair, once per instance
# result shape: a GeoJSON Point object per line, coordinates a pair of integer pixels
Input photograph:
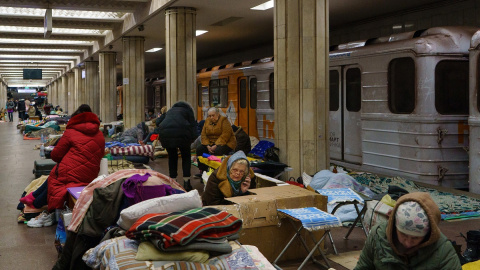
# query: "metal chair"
{"type": "Point", "coordinates": [312, 219]}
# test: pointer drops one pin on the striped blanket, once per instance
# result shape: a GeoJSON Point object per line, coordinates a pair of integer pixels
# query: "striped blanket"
{"type": "Point", "coordinates": [142, 150]}
{"type": "Point", "coordinates": [180, 228]}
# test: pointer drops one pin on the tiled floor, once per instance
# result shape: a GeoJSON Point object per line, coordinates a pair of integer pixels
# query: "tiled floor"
{"type": "Point", "coordinates": [32, 248]}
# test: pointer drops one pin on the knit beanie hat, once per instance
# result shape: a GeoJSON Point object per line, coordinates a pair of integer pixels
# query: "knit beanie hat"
{"type": "Point", "coordinates": [411, 219]}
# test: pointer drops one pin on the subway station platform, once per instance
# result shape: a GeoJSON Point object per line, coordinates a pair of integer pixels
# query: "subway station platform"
{"type": "Point", "coordinates": [22, 247]}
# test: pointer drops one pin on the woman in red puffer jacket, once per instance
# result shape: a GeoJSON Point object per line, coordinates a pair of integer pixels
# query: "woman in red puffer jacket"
{"type": "Point", "coordinates": [78, 154]}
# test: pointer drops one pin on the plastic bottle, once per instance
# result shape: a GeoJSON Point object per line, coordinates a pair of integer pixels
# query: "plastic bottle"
{"type": "Point", "coordinates": [42, 151]}
{"type": "Point", "coordinates": [42, 139]}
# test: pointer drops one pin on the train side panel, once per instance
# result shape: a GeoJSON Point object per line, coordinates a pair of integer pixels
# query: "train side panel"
{"type": "Point", "coordinates": [422, 144]}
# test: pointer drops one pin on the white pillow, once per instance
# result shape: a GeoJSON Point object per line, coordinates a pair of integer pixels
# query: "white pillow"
{"type": "Point", "coordinates": [166, 204]}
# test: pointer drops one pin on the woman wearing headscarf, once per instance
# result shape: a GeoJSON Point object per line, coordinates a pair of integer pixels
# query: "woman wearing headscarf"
{"type": "Point", "coordinates": [217, 136]}
{"type": "Point", "coordinates": [233, 178]}
{"type": "Point", "coordinates": [410, 240]}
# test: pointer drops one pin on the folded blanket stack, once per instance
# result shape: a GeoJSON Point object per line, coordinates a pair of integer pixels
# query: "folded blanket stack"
{"type": "Point", "coordinates": [181, 228]}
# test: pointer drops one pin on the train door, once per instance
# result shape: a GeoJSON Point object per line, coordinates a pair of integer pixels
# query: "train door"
{"type": "Point", "coordinates": [345, 122]}
{"type": "Point", "coordinates": [335, 124]}
{"type": "Point", "coordinates": [247, 104]}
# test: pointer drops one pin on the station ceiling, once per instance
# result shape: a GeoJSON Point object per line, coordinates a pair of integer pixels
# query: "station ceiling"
{"type": "Point", "coordinates": [83, 28]}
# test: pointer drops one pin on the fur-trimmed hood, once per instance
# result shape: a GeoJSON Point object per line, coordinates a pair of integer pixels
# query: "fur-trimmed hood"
{"type": "Point", "coordinates": [433, 213]}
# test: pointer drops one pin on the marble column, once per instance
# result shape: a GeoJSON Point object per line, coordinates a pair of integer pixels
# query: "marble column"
{"type": "Point", "coordinates": [181, 56]}
{"type": "Point", "coordinates": [61, 93]}
{"type": "Point", "coordinates": [78, 87]}
{"type": "Point", "coordinates": [92, 86]}
{"type": "Point", "coordinates": [108, 86]}
{"type": "Point", "coordinates": [55, 92]}
{"type": "Point", "coordinates": [301, 84]}
{"type": "Point", "coordinates": [70, 92]}
{"type": "Point", "coordinates": [133, 81]}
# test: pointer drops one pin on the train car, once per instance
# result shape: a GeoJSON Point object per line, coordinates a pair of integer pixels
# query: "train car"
{"type": "Point", "coordinates": [474, 119]}
{"type": "Point", "coordinates": [399, 105]}
{"type": "Point", "coordinates": [243, 92]}
{"type": "Point", "coordinates": [155, 94]}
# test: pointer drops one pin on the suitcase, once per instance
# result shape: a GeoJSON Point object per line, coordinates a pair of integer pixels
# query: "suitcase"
{"type": "Point", "coordinates": [43, 167]}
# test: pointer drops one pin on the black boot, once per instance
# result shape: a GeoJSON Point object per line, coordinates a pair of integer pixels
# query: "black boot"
{"type": "Point", "coordinates": [186, 185]}
{"type": "Point", "coordinates": [472, 253]}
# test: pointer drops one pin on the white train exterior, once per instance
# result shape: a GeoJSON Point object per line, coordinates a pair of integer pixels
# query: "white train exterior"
{"type": "Point", "coordinates": [412, 118]}
{"type": "Point", "coordinates": [474, 119]}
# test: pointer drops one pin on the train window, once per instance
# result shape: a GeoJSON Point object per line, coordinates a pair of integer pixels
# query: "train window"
{"type": "Point", "coordinates": [353, 93]}
{"type": "Point", "coordinates": [243, 93]}
{"type": "Point", "coordinates": [253, 93]}
{"type": "Point", "coordinates": [199, 95]}
{"type": "Point", "coordinates": [401, 85]}
{"type": "Point", "coordinates": [451, 87]}
{"type": "Point", "coordinates": [334, 90]}
{"type": "Point", "coordinates": [271, 91]}
{"type": "Point", "coordinates": [218, 93]}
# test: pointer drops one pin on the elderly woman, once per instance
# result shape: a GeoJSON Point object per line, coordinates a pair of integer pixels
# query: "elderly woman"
{"type": "Point", "coordinates": [217, 136]}
{"type": "Point", "coordinates": [410, 240]}
{"type": "Point", "coordinates": [232, 178]}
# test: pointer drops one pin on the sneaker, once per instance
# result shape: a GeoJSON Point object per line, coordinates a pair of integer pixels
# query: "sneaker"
{"type": "Point", "coordinates": [43, 220]}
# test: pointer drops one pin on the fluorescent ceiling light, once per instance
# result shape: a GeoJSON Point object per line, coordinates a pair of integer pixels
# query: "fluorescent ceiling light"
{"type": "Point", "coordinates": [40, 65]}
{"type": "Point", "coordinates": [19, 68]}
{"type": "Point", "coordinates": [35, 62]}
{"type": "Point", "coordinates": [37, 56]}
{"type": "Point", "coordinates": [154, 50]}
{"type": "Point", "coordinates": [41, 50]}
{"type": "Point", "coordinates": [61, 13]}
{"type": "Point", "coordinates": [28, 29]}
{"type": "Point", "coordinates": [45, 41]}
{"type": "Point", "coordinates": [264, 6]}
{"type": "Point", "coordinates": [200, 32]}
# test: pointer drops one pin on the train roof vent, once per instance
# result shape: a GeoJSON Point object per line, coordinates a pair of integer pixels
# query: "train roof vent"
{"type": "Point", "coordinates": [246, 63]}
{"type": "Point", "coordinates": [237, 64]}
{"type": "Point", "coordinates": [401, 36]}
{"type": "Point", "coordinates": [215, 68]}
{"type": "Point", "coordinates": [222, 67]}
{"type": "Point", "coordinates": [230, 65]}
{"type": "Point", "coordinates": [265, 60]}
{"type": "Point", "coordinates": [418, 33]}
{"type": "Point", "coordinates": [351, 45]}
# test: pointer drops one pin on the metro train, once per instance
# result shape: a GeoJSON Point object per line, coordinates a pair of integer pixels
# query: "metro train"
{"type": "Point", "coordinates": [399, 105]}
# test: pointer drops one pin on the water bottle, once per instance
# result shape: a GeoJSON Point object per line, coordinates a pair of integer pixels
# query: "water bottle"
{"type": "Point", "coordinates": [42, 139]}
{"type": "Point", "coordinates": [42, 151]}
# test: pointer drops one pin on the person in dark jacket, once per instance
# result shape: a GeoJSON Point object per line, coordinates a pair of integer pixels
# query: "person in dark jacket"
{"type": "Point", "coordinates": [178, 131]}
{"type": "Point", "coordinates": [410, 240]}
{"type": "Point", "coordinates": [233, 178]}
{"type": "Point", "coordinates": [21, 109]}
{"type": "Point", "coordinates": [78, 154]}
{"type": "Point", "coordinates": [243, 140]}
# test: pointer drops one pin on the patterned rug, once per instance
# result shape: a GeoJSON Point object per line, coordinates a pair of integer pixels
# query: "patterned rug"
{"type": "Point", "coordinates": [447, 202]}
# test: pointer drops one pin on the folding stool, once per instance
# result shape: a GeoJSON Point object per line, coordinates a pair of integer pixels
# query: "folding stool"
{"type": "Point", "coordinates": [346, 196]}
{"type": "Point", "coordinates": [312, 219]}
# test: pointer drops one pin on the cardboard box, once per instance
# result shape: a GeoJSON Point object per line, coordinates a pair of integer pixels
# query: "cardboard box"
{"type": "Point", "coordinates": [261, 224]}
